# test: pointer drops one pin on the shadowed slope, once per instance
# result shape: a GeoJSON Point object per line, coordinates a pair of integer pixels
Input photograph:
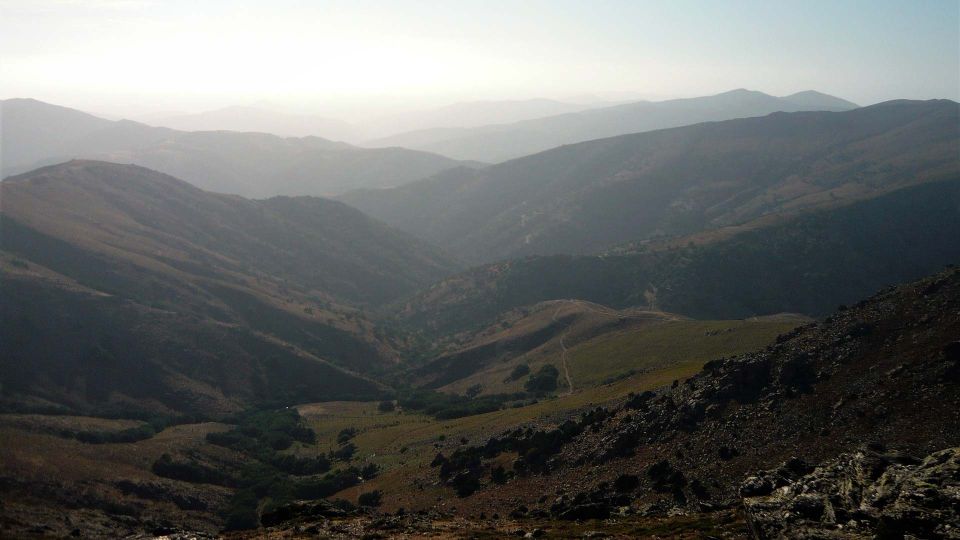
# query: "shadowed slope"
{"type": "Point", "coordinates": [165, 282]}
{"type": "Point", "coordinates": [588, 197]}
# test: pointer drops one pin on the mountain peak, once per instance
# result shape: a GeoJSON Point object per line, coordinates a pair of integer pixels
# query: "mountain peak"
{"type": "Point", "coordinates": [813, 98]}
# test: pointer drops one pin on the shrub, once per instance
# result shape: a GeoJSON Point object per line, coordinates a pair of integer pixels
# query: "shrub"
{"type": "Point", "coordinates": [446, 406]}
{"type": "Point", "coordinates": [386, 406]}
{"type": "Point", "coordinates": [300, 466]}
{"type": "Point", "coordinates": [346, 434]}
{"type": "Point", "coordinates": [139, 433]}
{"type": "Point", "coordinates": [518, 373]}
{"type": "Point", "coordinates": [499, 475]}
{"type": "Point", "coordinates": [370, 498]}
{"type": "Point", "coordinates": [344, 453]}
{"type": "Point", "coordinates": [188, 471]}
{"type": "Point", "coordinates": [544, 381]}
{"type": "Point", "coordinates": [241, 512]}
{"type": "Point", "coordinates": [330, 483]}
{"type": "Point", "coordinates": [370, 470]}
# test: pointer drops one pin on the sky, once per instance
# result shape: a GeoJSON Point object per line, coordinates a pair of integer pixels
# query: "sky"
{"type": "Point", "coordinates": [139, 57]}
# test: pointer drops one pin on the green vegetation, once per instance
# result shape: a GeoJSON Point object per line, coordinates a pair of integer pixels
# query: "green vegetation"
{"type": "Point", "coordinates": [189, 471]}
{"type": "Point", "coordinates": [344, 453]}
{"type": "Point", "coordinates": [150, 427]}
{"type": "Point", "coordinates": [543, 381]}
{"type": "Point", "coordinates": [518, 373]}
{"type": "Point", "coordinates": [370, 498]}
{"type": "Point", "coordinates": [346, 434]}
{"type": "Point", "coordinates": [273, 478]}
{"type": "Point", "coordinates": [262, 433]}
{"type": "Point", "coordinates": [443, 406]}
{"type": "Point", "coordinates": [534, 449]}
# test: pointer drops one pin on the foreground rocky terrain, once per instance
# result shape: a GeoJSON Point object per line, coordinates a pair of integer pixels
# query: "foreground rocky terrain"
{"type": "Point", "coordinates": [845, 428]}
{"type": "Point", "coordinates": [859, 495]}
{"type": "Point", "coordinates": [883, 372]}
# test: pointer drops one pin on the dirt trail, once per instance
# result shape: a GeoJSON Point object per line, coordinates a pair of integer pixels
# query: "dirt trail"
{"type": "Point", "coordinates": [563, 355]}
{"type": "Point", "coordinates": [601, 310]}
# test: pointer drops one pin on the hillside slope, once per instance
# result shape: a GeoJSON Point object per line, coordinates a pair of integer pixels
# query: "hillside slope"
{"type": "Point", "coordinates": [249, 164]}
{"type": "Point", "coordinates": [502, 141]}
{"type": "Point", "coordinates": [883, 372]}
{"type": "Point", "coordinates": [587, 197]}
{"type": "Point", "coordinates": [589, 344]}
{"type": "Point", "coordinates": [154, 261]}
{"type": "Point", "coordinates": [809, 265]}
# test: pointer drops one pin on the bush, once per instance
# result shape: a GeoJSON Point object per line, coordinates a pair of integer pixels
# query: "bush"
{"type": "Point", "coordinates": [386, 406]}
{"type": "Point", "coordinates": [188, 471]}
{"type": "Point", "coordinates": [499, 475]}
{"type": "Point", "coordinates": [518, 373]}
{"type": "Point", "coordinates": [300, 466]}
{"type": "Point", "coordinates": [346, 434]}
{"type": "Point", "coordinates": [370, 470]}
{"type": "Point", "coordinates": [344, 453]}
{"type": "Point", "coordinates": [370, 498]}
{"type": "Point", "coordinates": [260, 434]}
{"type": "Point", "coordinates": [447, 406]}
{"type": "Point", "coordinates": [544, 381]}
{"type": "Point", "coordinates": [241, 512]}
{"type": "Point", "coordinates": [139, 433]}
{"type": "Point", "coordinates": [330, 483]}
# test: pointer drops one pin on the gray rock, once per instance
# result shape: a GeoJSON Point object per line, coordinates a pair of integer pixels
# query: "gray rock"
{"type": "Point", "coordinates": [866, 494]}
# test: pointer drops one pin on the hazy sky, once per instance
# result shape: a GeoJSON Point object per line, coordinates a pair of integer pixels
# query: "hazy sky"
{"type": "Point", "coordinates": [141, 56]}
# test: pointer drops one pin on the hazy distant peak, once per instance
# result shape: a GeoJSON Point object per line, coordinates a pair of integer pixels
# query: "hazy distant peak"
{"type": "Point", "coordinates": [496, 142]}
{"type": "Point", "coordinates": [812, 98]}
{"type": "Point", "coordinates": [247, 118]}
{"type": "Point", "coordinates": [742, 92]}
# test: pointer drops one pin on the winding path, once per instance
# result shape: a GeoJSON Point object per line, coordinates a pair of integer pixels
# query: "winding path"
{"type": "Point", "coordinates": [563, 355]}
{"type": "Point", "coordinates": [603, 310]}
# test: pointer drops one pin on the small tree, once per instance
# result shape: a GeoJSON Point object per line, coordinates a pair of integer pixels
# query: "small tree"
{"type": "Point", "coordinates": [545, 380]}
{"type": "Point", "coordinates": [474, 391]}
{"type": "Point", "coordinates": [371, 498]}
{"type": "Point", "coordinates": [346, 434]}
{"type": "Point", "coordinates": [344, 453]}
{"type": "Point", "coordinates": [518, 373]}
{"type": "Point", "coordinates": [386, 406]}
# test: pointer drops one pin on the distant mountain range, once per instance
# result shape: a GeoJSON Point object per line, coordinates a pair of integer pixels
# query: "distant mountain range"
{"type": "Point", "coordinates": [473, 114]}
{"type": "Point", "coordinates": [217, 301]}
{"type": "Point", "coordinates": [589, 197]}
{"type": "Point", "coordinates": [498, 142]}
{"type": "Point", "coordinates": [263, 119]}
{"type": "Point", "coordinates": [260, 120]}
{"type": "Point", "coordinates": [249, 164]}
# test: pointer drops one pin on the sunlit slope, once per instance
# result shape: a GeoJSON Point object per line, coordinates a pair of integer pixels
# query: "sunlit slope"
{"type": "Point", "coordinates": [589, 344]}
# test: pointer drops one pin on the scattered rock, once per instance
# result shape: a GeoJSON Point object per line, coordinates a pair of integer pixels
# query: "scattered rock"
{"type": "Point", "coordinates": [865, 494]}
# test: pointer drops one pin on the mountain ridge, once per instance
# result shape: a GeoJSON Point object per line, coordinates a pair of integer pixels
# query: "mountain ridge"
{"type": "Point", "coordinates": [250, 164]}
{"type": "Point", "coordinates": [222, 301]}
{"type": "Point", "coordinates": [587, 197]}
{"type": "Point", "coordinates": [500, 142]}
{"type": "Point", "coordinates": [806, 264]}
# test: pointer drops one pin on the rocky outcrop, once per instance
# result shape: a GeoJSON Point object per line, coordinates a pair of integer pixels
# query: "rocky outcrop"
{"type": "Point", "coordinates": [304, 510]}
{"type": "Point", "coordinates": [870, 493]}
